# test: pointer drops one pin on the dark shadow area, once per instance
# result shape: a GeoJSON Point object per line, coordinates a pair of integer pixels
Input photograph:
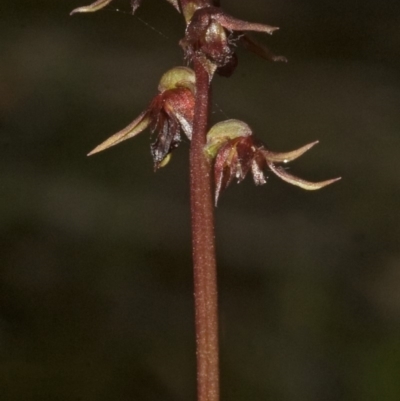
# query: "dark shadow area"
{"type": "Point", "coordinates": [95, 268]}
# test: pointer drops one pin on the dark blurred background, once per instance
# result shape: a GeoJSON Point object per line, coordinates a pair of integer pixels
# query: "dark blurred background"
{"type": "Point", "coordinates": [95, 268]}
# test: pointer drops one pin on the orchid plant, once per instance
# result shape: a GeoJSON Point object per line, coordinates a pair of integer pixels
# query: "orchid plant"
{"type": "Point", "coordinates": [227, 151]}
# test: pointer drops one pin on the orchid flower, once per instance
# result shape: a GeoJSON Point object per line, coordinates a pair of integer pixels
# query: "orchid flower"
{"type": "Point", "coordinates": [236, 151]}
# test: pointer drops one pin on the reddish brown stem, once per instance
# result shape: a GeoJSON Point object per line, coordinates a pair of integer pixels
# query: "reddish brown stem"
{"type": "Point", "coordinates": [205, 274]}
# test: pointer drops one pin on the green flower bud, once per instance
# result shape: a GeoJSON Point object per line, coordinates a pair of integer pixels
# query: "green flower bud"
{"type": "Point", "coordinates": [178, 77]}
{"type": "Point", "coordinates": [224, 131]}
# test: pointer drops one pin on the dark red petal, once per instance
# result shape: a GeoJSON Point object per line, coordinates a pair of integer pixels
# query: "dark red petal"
{"type": "Point", "coordinates": [198, 25]}
{"type": "Point", "coordinates": [180, 103]}
{"type": "Point", "coordinates": [167, 140]}
{"type": "Point", "coordinates": [224, 168]}
{"type": "Point", "coordinates": [245, 151]}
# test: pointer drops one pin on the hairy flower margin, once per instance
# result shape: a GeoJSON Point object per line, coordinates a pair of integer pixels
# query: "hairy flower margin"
{"type": "Point", "coordinates": [236, 151]}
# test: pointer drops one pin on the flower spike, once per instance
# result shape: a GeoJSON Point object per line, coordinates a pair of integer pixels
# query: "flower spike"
{"type": "Point", "coordinates": [236, 152]}
{"type": "Point", "coordinates": [169, 113]}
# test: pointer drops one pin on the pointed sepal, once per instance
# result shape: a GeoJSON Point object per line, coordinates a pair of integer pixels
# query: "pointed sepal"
{"type": "Point", "coordinates": [133, 129]}
{"type": "Point", "coordinates": [97, 5]}
{"type": "Point", "coordinates": [234, 24]}
{"type": "Point", "coordinates": [299, 182]}
{"type": "Point", "coordinates": [285, 157]}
